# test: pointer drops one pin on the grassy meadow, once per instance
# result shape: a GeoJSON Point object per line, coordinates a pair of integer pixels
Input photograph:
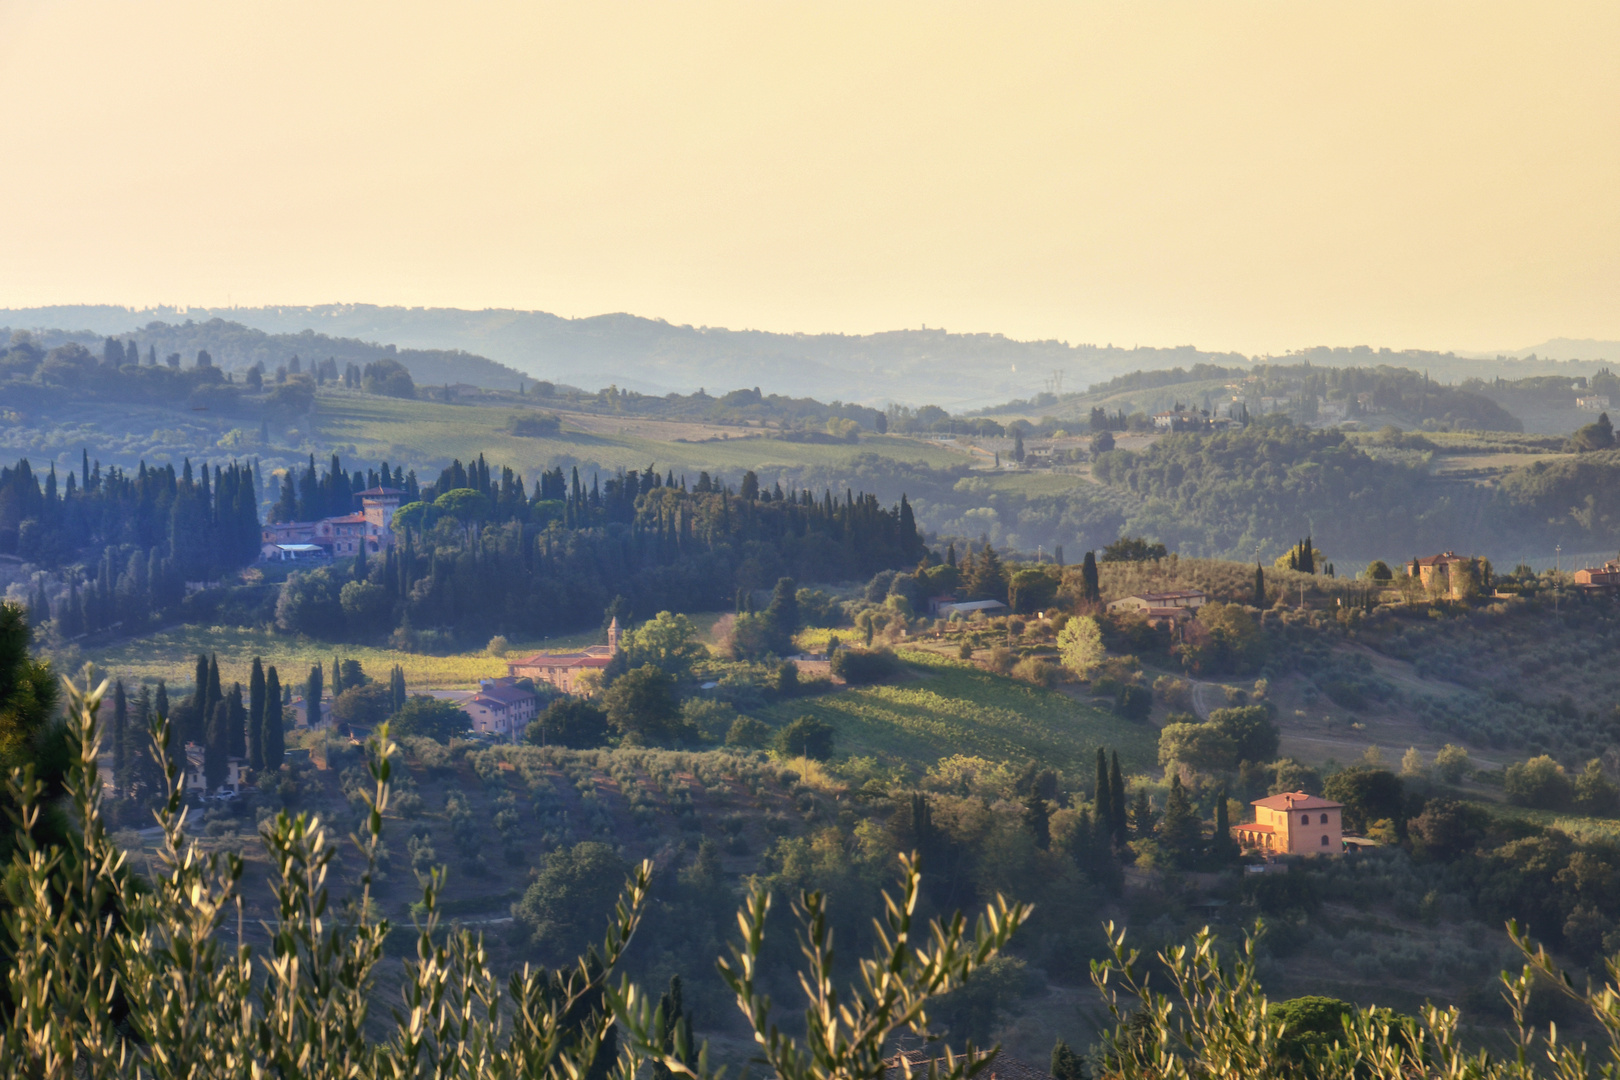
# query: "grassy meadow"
{"type": "Point", "coordinates": [382, 428]}
{"type": "Point", "coordinates": [950, 707]}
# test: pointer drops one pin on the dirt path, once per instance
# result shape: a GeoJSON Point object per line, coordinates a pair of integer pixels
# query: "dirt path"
{"type": "Point", "coordinates": [1207, 697]}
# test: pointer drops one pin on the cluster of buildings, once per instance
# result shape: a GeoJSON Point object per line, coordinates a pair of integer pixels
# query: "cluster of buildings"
{"type": "Point", "coordinates": [372, 528]}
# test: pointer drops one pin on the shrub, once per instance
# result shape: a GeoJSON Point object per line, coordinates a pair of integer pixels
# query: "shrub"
{"type": "Point", "coordinates": [429, 717]}
{"type": "Point", "coordinates": [572, 722]}
{"type": "Point", "coordinates": [367, 705]}
{"type": "Point", "coordinates": [1133, 702]}
{"type": "Point", "coordinates": [534, 425]}
{"type": "Point", "coordinates": [1540, 783]}
{"type": "Point", "coordinates": [1000, 660]}
{"type": "Point", "coordinates": [748, 733]}
{"type": "Point", "coordinates": [498, 645]}
{"type": "Point", "coordinates": [1176, 694]}
{"type": "Point", "coordinates": [806, 737]}
{"type": "Point", "coordinates": [1451, 764]}
{"type": "Point", "coordinates": [1032, 669]}
{"type": "Point", "coordinates": [861, 666]}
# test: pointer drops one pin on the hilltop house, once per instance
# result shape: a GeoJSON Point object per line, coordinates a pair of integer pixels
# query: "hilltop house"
{"type": "Point", "coordinates": [501, 707]}
{"type": "Point", "coordinates": [1165, 607]}
{"type": "Point", "coordinates": [1444, 572]}
{"type": "Point", "coordinates": [1599, 579]}
{"type": "Point", "coordinates": [1293, 823]}
{"type": "Point", "coordinates": [337, 536]}
{"type": "Point", "coordinates": [564, 670]}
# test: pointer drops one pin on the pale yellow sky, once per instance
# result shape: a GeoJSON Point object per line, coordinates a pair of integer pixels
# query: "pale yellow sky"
{"type": "Point", "coordinates": [1257, 176]}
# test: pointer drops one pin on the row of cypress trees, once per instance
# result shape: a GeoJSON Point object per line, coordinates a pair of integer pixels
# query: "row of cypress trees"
{"type": "Point", "coordinates": [222, 722]}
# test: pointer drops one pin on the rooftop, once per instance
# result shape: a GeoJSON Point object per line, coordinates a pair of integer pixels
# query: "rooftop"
{"type": "Point", "coordinates": [1296, 800]}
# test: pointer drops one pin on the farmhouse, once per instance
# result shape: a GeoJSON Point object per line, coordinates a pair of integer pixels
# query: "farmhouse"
{"type": "Point", "coordinates": [501, 707]}
{"type": "Point", "coordinates": [1599, 579]}
{"type": "Point", "coordinates": [1592, 402]}
{"type": "Point", "coordinates": [1165, 607]}
{"type": "Point", "coordinates": [1444, 572]}
{"type": "Point", "coordinates": [1293, 823]}
{"type": "Point", "coordinates": [565, 670]}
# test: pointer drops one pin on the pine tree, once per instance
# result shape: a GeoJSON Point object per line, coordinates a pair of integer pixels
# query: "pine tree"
{"type": "Point", "coordinates": [275, 750]}
{"type": "Point", "coordinates": [1090, 578]}
{"type": "Point", "coordinates": [120, 738]}
{"type": "Point", "coordinates": [256, 706]}
{"type": "Point", "coordinates": [1116, 803]}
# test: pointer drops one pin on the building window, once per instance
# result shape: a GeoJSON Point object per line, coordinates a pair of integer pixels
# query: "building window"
{"type": "Point", "coordinates": [1324, 841]}
{"type": "Point", "coordinates": [1304, 819]}
{"type": "Point", "coordinates": [1324, 819]}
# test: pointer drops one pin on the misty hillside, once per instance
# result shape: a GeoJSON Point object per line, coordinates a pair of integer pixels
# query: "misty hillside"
{"type": "Point", "coordinates": [928, 366]}
{"type": "Point", "coordinates": [233, 345]}
{"type": "Point", "coordinates": [653, 356]}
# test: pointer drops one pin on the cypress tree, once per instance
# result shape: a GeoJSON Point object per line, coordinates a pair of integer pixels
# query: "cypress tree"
{"type": "Point", "coordinates": [1259, 586]}
{"type": "Point", "coordinates": [1038, 819]}
{"type": "Point", "coordinates": [1104, 800]}
{"type": "Point", "coordinates": [236, 723]}
{"type": "Point", "coordinates": [312, 696]}
{"type": "Point", "coordinates": [1088, 574]}
{"type": "Point", "coordinates": [1221, 843]}
{"type": "Point", "coordinates": [215, 746]}
{"type": "Point", "coordinates": [120, 738]}
{"type": "Point", "coordinates": [274, 739]}
{"type": "Point", "coordinates": [215, 693]}
{"type": "Point", "coordinates": [1180, 831]}
{"type": "Point", "coordinates": [139, 763]}
{"type": "Point", "coordinates": [1116, 803]}
{"type": "Point", "coordinates": [256, 704]}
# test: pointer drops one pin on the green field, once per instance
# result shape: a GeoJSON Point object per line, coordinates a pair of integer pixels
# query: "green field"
{"type": "Point", "coordinates": [951, 707]}
{"type": "Point", "coordinates": [397, 430]}
{"type": "Point", "coordinates": [172, 655]}
{"type": "Point", "coordinates": [1582, 827]}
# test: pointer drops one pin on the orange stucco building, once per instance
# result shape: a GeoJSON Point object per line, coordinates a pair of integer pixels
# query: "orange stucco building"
{"type": "Point", "coordinates": [1294, 823]}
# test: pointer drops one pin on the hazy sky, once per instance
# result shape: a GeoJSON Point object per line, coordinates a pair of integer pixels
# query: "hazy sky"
{"type": "Point", "coordinates": [1258, 176]}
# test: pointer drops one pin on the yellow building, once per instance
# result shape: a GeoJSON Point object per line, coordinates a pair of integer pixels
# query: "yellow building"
{"type": "Point", "coordinates": [1293, 823]}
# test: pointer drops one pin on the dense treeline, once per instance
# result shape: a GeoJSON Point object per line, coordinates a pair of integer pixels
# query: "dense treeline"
{"type": "Point", "coordinates": [312, 495]}
{"type": "Point", "coordinates": [483, 557]}
{"type": "Point", "coordinates": [1228, 493]}
{"type": "Point", "coordinates": [141, 535]}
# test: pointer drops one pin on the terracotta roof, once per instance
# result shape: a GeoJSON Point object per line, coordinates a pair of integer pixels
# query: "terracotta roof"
{"type": "Point", "coordinates": [348, 519]}
{"type": "Point", "coordinates": [502, 695]}
{"type": "Point", "coordinates": [563, 660]}
{"type": "Point", "coordinates": [1296, 800]}
{"type": "Point", "coordinates": [1436, 560]}
{"type": "Point", "coordinates": [379, 492]}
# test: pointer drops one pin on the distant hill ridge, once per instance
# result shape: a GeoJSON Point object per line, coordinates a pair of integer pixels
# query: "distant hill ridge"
{"type": "Point", "coordinates": [234, 345]}
{"type": "Point", "coordinates": [915, 367]}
